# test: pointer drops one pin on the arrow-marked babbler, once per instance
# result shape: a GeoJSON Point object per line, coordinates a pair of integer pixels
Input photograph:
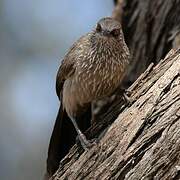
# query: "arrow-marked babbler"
{"type": "Point", "coordinates": [92, 69]}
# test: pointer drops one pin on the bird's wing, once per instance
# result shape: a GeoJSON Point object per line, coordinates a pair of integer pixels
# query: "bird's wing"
{"type": "Point", "coordinates": [68, 65]}
{"type": "Point", "coordinates": [66, 70]}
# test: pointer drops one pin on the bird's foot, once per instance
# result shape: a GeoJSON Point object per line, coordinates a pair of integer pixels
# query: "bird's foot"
{"type": "Point", "coordinates": [86, 145]}
{"type": "Point", "coordinates": [127, 98]}
{"type": "Point", "coordinates": [82, 141]}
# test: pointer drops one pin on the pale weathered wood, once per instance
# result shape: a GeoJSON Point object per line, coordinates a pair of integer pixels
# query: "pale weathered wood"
{"type": "Point", "coordinates": [144, 141]}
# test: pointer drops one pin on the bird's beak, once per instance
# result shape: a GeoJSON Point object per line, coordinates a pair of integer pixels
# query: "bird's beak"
{"type": "Point", "coordinates": [106, 33]}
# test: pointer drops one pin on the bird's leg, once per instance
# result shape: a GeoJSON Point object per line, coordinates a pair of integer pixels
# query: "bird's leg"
{"type": "Point", "coordinates": [93, 113]}
{"type": "Point", "coordinates": [82, 138]}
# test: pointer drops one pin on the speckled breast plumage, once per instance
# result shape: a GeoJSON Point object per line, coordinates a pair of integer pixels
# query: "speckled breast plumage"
{"type": "Point", "coordinates": [100, 68]}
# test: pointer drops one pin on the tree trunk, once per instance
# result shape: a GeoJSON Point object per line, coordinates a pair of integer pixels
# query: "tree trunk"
{"type": "Point", "coordinates": [151, 29]}
{"type": "Point", "coordinates": [144, 140]}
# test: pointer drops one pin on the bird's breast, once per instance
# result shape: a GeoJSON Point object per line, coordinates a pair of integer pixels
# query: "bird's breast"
{"type": "Point", "coordinates": [97, 79]}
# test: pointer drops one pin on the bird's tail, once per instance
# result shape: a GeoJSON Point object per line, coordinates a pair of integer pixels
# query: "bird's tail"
{"type": "Point", "coordinates": [62, 139]}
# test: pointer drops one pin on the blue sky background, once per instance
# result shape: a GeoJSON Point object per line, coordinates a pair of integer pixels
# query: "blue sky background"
{"type": "Point", "coordinates": [34, 37]}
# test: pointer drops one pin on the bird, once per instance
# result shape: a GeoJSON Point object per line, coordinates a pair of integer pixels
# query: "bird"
{"type": "Point", "coordinates": [92, 69]}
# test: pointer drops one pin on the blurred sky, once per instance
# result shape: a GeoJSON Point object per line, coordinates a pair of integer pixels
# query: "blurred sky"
{"type": "Point", "coordinates": [34, 37]}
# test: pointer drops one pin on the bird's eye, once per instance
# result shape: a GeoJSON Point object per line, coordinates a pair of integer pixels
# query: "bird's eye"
{"type": "Point", "coordinates": [115, 32]}
{"type": "Point", "coordinates": [98, 28]}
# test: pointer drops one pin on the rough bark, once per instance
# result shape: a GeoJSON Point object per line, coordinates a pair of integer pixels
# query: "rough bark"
{"type": "Point", "coordinates": [150, 29]}
{"type": "Point", "coordinates": [144, 141]}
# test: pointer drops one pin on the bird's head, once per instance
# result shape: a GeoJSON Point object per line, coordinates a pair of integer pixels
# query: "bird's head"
{"type": "Point", "coordinates": [109, 27]}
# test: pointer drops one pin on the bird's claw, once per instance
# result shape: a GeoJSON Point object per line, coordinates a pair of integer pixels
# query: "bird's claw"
{"type": "Point", "coordinates": [127, 98]}
{"type": "Point", "coordinates": [85, 144]}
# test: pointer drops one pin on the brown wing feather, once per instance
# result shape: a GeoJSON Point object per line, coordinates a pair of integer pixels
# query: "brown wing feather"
{"type": "Point", "coordinates": [67, 67]}
{"type": "Point", "coordinates": [65, 71]}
